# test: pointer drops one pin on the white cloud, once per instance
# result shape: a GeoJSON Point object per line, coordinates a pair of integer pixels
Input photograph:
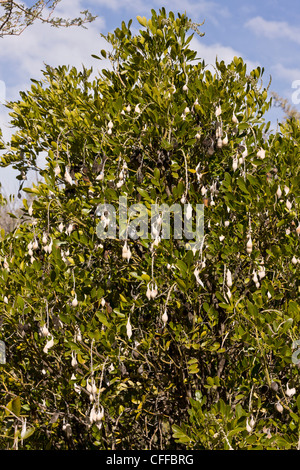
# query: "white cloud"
{"type": "Point", "coordinates": [217, 51]}
{"type": "Point", "coordinates": [274, 29]}
{"type": "Point", "coordinates": [288, 74]}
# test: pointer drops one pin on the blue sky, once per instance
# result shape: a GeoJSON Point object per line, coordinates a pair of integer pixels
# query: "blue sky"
{"type": "Point", "coordinates": [265, 33]}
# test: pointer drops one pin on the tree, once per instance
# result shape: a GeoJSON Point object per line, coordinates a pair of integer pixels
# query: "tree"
{"type": "Point", "coordinates": [144, 343]}
{"type": "Point", "coordinates": [15, 17]}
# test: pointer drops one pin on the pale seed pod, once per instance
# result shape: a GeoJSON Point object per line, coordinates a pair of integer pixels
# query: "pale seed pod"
{"type": "Point", "coordinates": [109, 131]}
{"type": "Point", "coordinates": [5, 300]}
{"type": "Point", "coordinates": [279, 407]}
{"type": "Point", "coordinates": [189, 211]}
{"type": "Point", "coordinates": [148, 293]}
{"type": "Point", "coordinates": [288, 205]}
{"type": "Point", "coordinates": [187, 110]}
{"type": "Point", "coordinates": [286, 190]}
{"type": "Point", "coordinates": [234, 119]}
{"type": "Point", "coordinates": [225, 140]}
{"type": "Point", "coordinates": [88, 387]}
{"type": "Point", "coordinates": [110, 125]}
{"type": "Point", "coordinates": [226, 223]}
{"type": "Point", "coordinates": [197, 136]}
{"type": "Point", "coordinates": [279, 192]}
{"type": "Point", "coordinates": [44, 331]}
{"type": "Point", "coordinates": [94, 388]}
{"type": "Point", "coordinates": [137, 108]}
{"type": "Point", "coordinates": [165, 317]}
{"type": "Point", "coordinates": [218, 111]}
{"type": "Point", "coordinates": [75, 302]}
{"type": "Point", "coordinates": [74, 361]}
{"type": "Point", "coordinates": [219, 143]}
{"type": "Point", "coordinates": [128, 329]}
{"type": "Point", "coordinates": [294, 260]}
{"type": "Point", "coordinates": [154, 292]}
{"type": "Point", "coordinates": [248, 427]}
{"type": "Point", "coordinates": [57, 170]}
{"type": "Point", "coordinates": [103, 302]}
{"type": "Point", "coordinates": [61, 227]}
{"type": "Point", "coordinates": [252, 422]}
{"type": "Point", "coordinates": [44, 239]}
{"type": "Point", "coordinates": [221, 238]}
{"type": "Point", "coordinates": [67, 177]}
{"type": "Point", "coordinates": [35, 245]}
{"type": "Point", "coordinates": [261, 153]}
{"type": "Point", "coordinates": [298, 230]}
{"type": "Point", "coordinates": [185, 88]}
{"type": "Point", "coordinates": [249, 245]}
{"type": "Point", "coordinates": [30, 210]}
{"type": "Point", "coordinates": [235, 164]}
{"type": "Point", "coordinates": [228, 278]}
{"type": "Point", "coordinates": [290, 391]}
{"type": "Point", "coordinates": [49, 345]}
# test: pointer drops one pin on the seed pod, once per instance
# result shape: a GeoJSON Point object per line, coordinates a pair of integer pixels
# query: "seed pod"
{"type": "Point", "coordinates": [226, 223]}
{"type": "Point", "coordinates": [128, 329]}
{"type": "Point", "coordinates": [110, 125]}
{"type": "Point", "coordinates": [189, 211]}
{"type": "Point", "coordinates": [75, 302]}
{"type": "Point", "coordinates": [30, 210]}
{"type": "Point", "coordinates": [148, 293]}
{"type": "Point", "coordinates": [234, 119]}
{"type": "Point", "coordinates": [187, 110]}
{"type": "Point", "coordinates": [109, 131]}
{"type": "Point", "coordinates": [219, 143]}
{"type": "Point", "coordinates": [279, 407]}
{"type": "Point", "coordinates": [261, 153]}
{"type": "Point", "coordinates": [274, 386]}
{"type": "Point", "coordinates": [248, 427]}
{"type": "Point", "coordinates": [286, 190]}
{"type": "Point", "coordinates": [74, 361]}
{"type": "Point", "coordinates": [288, 205]}
{"type": "Point", "coordinates": [290, 391]}
{"type": "Point", "coordinates": [235, 164]}
{"type": "Point", "coordinates": [137, 109]}
{"type": "Point", "coordinates": [88, 387]}
{"type": "Point", "coordinates": [298, 230]}
{"type": "Point", "coordinates": [35, 245]}
{"type": "Point", "coordinates": [249, 245]}
{"type": "Point", "coordinates": [164, 317]}
{"type": "Point", "coordinates": [103, 302]}
{"type": "Point", "coordinates": [294, 260]}
{"type": "Point", "coordinates": [48, 345]}
{"type": "Point", "coordinates": [185, 88]}
{"type": "Point", "coordinates": [279, 192]}
{"type": "Point", "coordinates": [228, 278]}
{"type": "Point", "coordinates": [44, 331]}
{"type": "Point", "coordinates": [225, 140]}
{"type": "Point", "coordinates": [197, 136]}
{"type": "Point", "coordinates": [44, 239]}
{"type": "Point", "coordinates": [218, 111]}
{"type": "Point", "coordinates": [67, 177]}
{"type": "Point", "coordinates": [5, 300]}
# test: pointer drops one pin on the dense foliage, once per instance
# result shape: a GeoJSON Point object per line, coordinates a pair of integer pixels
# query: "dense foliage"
{"type": "Point", "coordinates": [145, 343]}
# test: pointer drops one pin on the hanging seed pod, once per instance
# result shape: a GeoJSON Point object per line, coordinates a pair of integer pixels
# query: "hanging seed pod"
{"type": "Point", "coordinates": [48, 345]}
{"type": "Point", "coordinates": [189, 211]}
{"type": "Point", "coordinates": [44, 239]}
{"type": "Point", "coordinates": [248, 427]}
{"type": "Point", "coordinates": [44, 331]}
{"type": "Point", "coordinates": [234, 119]}
{"type": "Point", "coordinates": [148, 293]}
{"type": "Point", "coordinates": [290, 391]}
{"type": "Point", "coordinates": [164, 317]}
{"type": "Point", "coordinates": [298, 230]}
{"type": "Point", "coordinates": [228, 278]}
{"type": "Point", "coordinates": [249, 245]}
{"type": "Point", "coordinates": [110, 125]}
{"type": "Point", "coordinates": [75, 302]}
{"type": "Point", "coordinates": [279, 192]}
{"type": "Point", "coordinates": [255, 278]}
{"type": "Point", "coordinates": [286, 190]}
{"type": "Point", "coordinates": [128, 329]}
{"type": "Point", "coordinates": [279, 407]}
{"type": "Point", "coordinates": [30, 210]}
{"type": "Point", "coordinates": [103, 302]}
{"type": "Point", "coordinates": [219, 143]}
{"type": "Point", "coordinates": [235, 164]}
{"type": "Point", "coordinates": [5, 300]}
{"type": "Point", "coordinates": [294, 260]}
{"type": "Point", "coordinates": [67, 177]}
{"type": "Point", "coordinates": [137, 108]}
{"type": "Point", "coordinates": [225, 140]}
{"type": "Point", "coordinates": [126, 253]}
{"type": "Point", "coordinates": [218, 111]}
{"type": "Point", "coordinates": [35, 245]}
{"type": "Point", "coordinates": [185, 88]}
{"type": "Point", "coordinates": [74, 361]}
{"type": "Point", "coordinates": [88, 386]}
{"type": "Point", "coordinates": [154, 292]}
{"type": "Point", "coordinates": [197, 136]}
{"type": "Point", "coordinates": [261, 153]}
